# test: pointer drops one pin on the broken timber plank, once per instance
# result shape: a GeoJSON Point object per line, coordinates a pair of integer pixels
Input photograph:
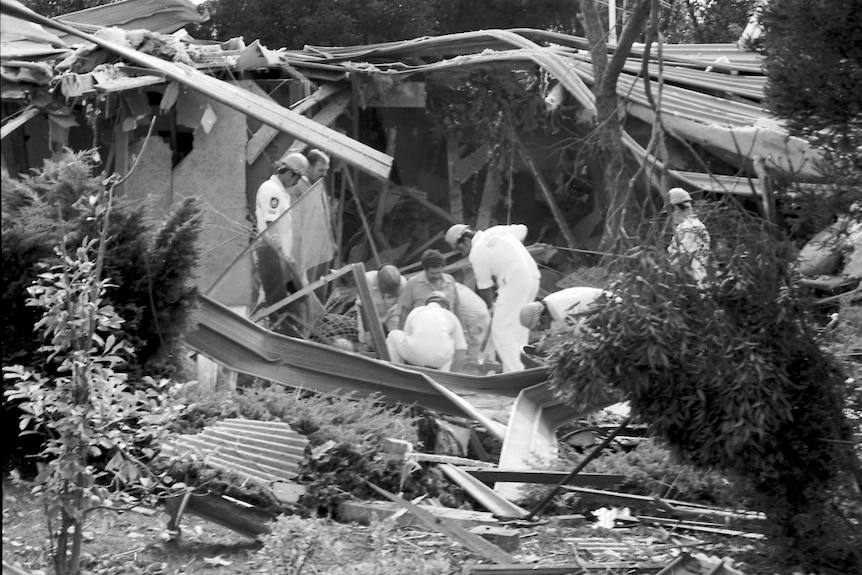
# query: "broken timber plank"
{"type": "Point", "coordinates": [697, 526]}
{"type": "Point", "coordinates": [266, 134]}
{"type": "Point", "coordinates": [489, 476]}
{"type": "Point", "coordinates": [496, 504]}
{"type": "Point", "coordinates": [670, 505]}
{"type": "Point", "coordinates": [372, 321]}
{"type": "Point", "coordinates": [325, 117]}
{"type": "Point", "coordinates": [355, 153]}
{"type": "Point", "coordinates": [469, 540]}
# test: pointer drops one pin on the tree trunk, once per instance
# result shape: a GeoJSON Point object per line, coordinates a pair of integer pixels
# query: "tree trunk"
{"type": "Point", "coordinates": [612, 188]}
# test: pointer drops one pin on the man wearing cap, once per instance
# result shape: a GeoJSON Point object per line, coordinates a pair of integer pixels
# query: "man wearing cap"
{"type": "Point", "coordinates": [432, 337]}
{"type": "Point", "coordinates": [555, 310]}
{"type": "Point", "coordinates": [273, 198]}
{"type": "Point", "coordinates": [689, 247]}
{"type": "Point", "coordinates": [432, 278]}
{"type": "Point", "coordinates": [498, 254]}
{"type": "Point", "coordinates": [385, 286]}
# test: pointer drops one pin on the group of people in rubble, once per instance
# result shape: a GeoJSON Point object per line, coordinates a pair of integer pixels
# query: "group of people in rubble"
{"type": "Point", "coordinates": [436, 328]}
{"type": "Point", "coordinates": [434, 321]}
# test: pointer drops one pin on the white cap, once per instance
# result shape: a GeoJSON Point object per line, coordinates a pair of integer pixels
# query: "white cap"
{"type": "Point", "coordinates": [293, 161]}
{"type": "Point", "coordinates": [454, 233]}
{"type": "Point", "coordinates": [677, 196]}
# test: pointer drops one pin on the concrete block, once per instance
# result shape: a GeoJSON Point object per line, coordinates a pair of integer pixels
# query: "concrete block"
{"type": "Point", "coordinates": [504, 538]}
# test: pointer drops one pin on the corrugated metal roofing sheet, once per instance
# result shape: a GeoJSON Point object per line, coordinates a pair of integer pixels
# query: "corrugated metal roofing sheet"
{"type": "Point", "coordinates": [163, 16]}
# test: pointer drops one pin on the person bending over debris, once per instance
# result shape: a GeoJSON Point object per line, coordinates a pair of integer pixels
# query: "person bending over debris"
{"type": "Point", "coordinates": [476, 319]}
{"type": "Point", "coordinates": [555, 310]}
{"type": "Point", "coordinates": [431, 279]}
{"type": "Point", "coordinates": [432, 337]}
{"type": "Point", "coordinates": [385, 286]}
{"type": "Point", "coordinates": [689, 247]}
{"type": "Point", "coordinates": [498, 254]}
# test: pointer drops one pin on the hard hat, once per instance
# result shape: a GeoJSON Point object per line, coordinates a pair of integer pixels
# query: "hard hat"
{"type": "Point", "coordinates": [677, 196]}
{"type": "Point", "coordinates": [454, 233]}
{"type": "Point", "coordinates": [293, 161]}
{"type": "Point", "coordinates": [389, 279]}
{"type": "Point", "coordinates": [439, 297]}
{"type": "Point", "coordinates": [531, 314]}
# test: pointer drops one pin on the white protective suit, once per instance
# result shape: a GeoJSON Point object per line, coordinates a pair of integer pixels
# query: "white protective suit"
{"type": "Point", "coordinates": [498, 254]}
{"type": "Point", "coordinates": [431, 336]}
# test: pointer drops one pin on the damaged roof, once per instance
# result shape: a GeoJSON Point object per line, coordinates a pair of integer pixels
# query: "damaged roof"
{"type": "Point", "coordinates": [711, 95]}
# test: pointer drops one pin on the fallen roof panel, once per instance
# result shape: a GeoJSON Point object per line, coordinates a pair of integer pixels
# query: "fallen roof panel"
{"type": "Point", "coordinates": [366, 158]}
{"type": "Point", "coordinates": [163, 16]}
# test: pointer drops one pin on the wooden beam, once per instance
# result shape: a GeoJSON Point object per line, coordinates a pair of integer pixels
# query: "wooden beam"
{"type": "Point", "coordinates": [325, 117]}
{"type": "Point", "coordinates": [23, 117]}
{"type": "Point", "coordinates": [499, 506]}
{"type": "Point", "coordinates": [599, 480]}
{"type": "Point", "coordinates": [490, 195]}
{"type": "Point", "coordinates": [266, 134]}
{"type": "Point", "coordinates": [383, 197]}
{"type": "Point", "coordinates": [471, 541]}
{"type": "Point", "coordinates": [298, 294]}
{"type": "Point", "coordinates": [456, 199]}
{"type": "Point", "coordinates": [369, 311]}
{"type": "Point", "coordinates": [355, 153]}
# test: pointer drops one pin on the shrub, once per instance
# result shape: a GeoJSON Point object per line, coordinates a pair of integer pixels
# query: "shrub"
{"type": "Point", "coordinates": [730, 377]}
{"type": "Point", "coordinates": [84, 406]}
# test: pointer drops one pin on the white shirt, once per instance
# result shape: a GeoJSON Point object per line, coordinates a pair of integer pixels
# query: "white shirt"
{"type": "Point", "coordinates": [498, 253]}
{"type": "Point", "coordinates": [570, 302]}
{"type": "Point", "coordinates": [271, 201]}
{"type": "Point", "coordinates": [434, 331]}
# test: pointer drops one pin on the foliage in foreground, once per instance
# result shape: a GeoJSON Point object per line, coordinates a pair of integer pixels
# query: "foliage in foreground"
{"type": "Point", "coordinates": [152, 265]}
{"type": "Point", "coordinates": [731, 378]}
{"type": "Point", "coordinates": [85, 408]}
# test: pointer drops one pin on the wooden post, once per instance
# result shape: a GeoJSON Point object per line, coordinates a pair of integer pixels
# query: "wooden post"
{"type": "Point", "coordinates": [456, 199]}
{"type": "Point", "coordinates": [369, 311]}
{"type": "Point", "coordinates": [382, 199]}
{"type": "Point", "coordinates": [361, 211]}
{"type": "Point", "coordinates": [490, 195]}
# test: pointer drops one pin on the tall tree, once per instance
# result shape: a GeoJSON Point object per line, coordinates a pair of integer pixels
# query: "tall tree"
{"type": "Point", "coordinates": [620, 211]}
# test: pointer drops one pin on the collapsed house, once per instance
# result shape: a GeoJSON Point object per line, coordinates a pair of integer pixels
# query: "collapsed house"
{"type": "Point", "coordinates": [482, 127]}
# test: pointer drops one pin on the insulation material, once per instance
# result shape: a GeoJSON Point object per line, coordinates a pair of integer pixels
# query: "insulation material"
{"type": "Point", "coordinates": [313, 242]}
{"type": "Point", "coordinates": [214, 172]}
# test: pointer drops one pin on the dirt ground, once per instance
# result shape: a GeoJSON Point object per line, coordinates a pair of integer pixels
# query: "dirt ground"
{"type": "Point", "coordinates": [134, 542]}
